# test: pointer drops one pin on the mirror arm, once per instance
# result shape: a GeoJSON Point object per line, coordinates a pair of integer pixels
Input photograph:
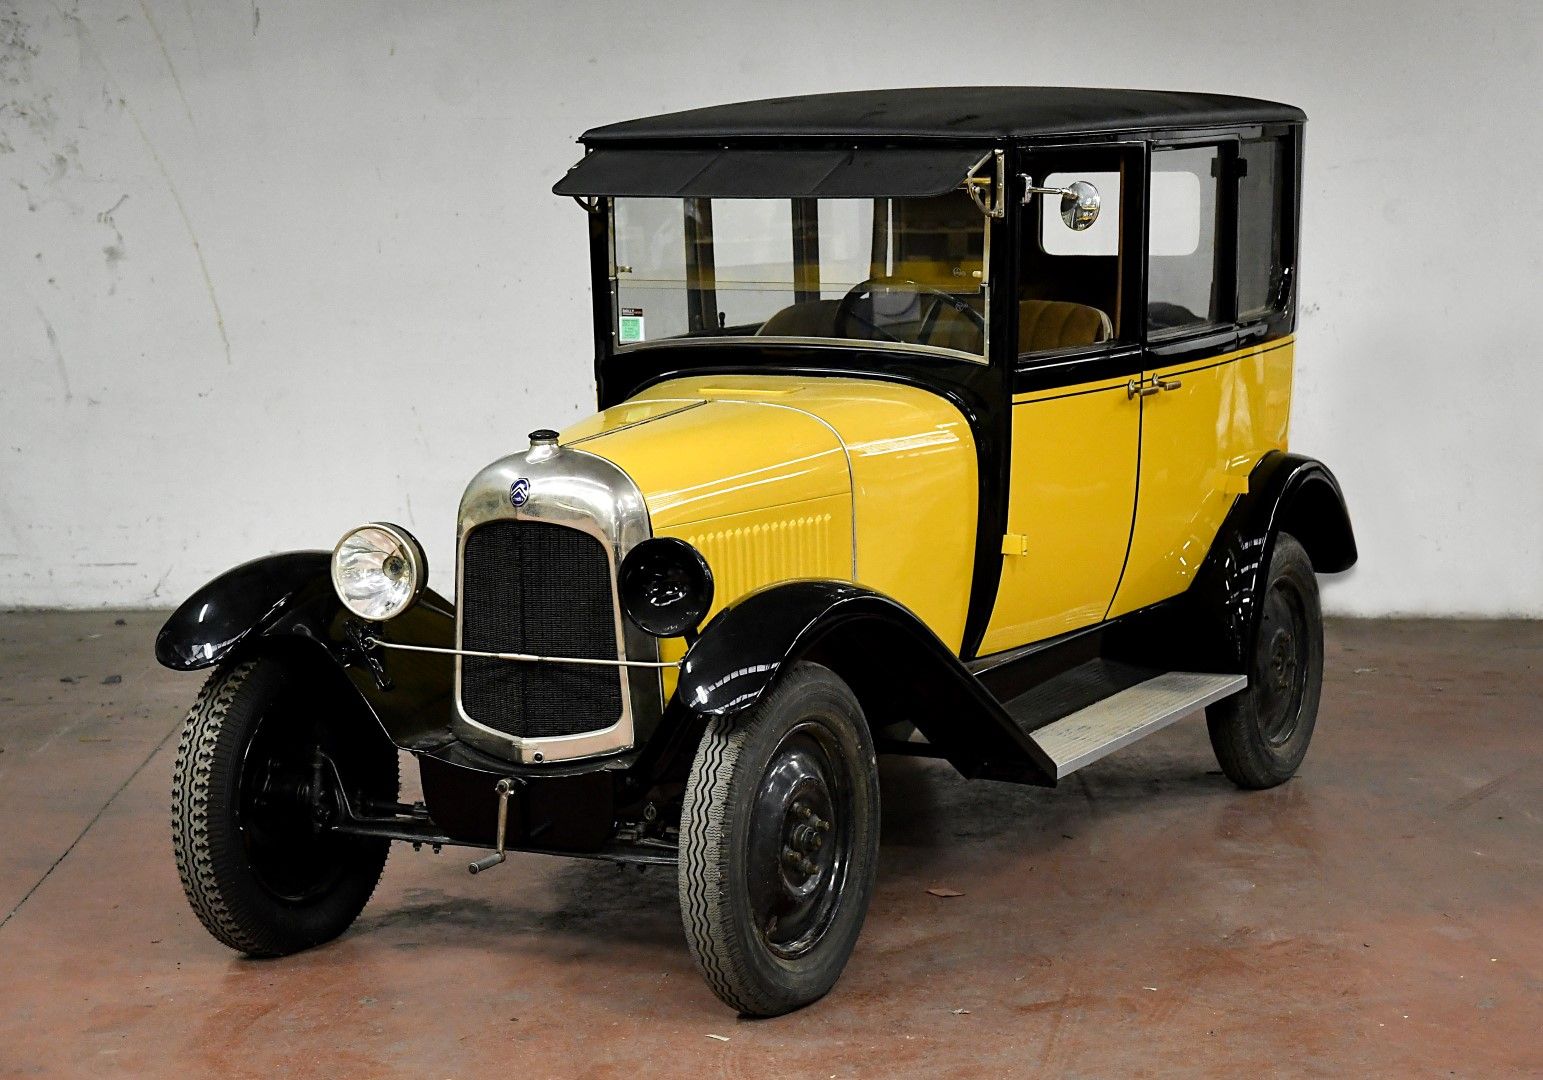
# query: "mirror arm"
{"type": "Point", "coordinates": [1029, 190]}
{"type": "Point", "coordinates": [1079, 202]}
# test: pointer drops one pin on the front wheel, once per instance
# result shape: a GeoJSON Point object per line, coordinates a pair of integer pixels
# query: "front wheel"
{"type": "Point", "coordinates": [259, 871]}
{"type": "Point", "coordinates": [1260, 735]}
{"type": "Point", "coordinates": [779, 838]}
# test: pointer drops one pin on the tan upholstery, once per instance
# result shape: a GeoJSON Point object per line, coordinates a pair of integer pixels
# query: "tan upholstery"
{"type": "Point", "coordinates": [816, 318]}
{"type": "Point", "coordinates": [1046, 325]}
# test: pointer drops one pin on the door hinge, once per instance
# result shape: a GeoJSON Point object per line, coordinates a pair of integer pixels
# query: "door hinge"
{"type": "Point", "coordinates": [1015, 544]}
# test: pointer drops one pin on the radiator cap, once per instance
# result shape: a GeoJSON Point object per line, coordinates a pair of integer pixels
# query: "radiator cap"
{"type": "Point", "coordinates": [543, 437]}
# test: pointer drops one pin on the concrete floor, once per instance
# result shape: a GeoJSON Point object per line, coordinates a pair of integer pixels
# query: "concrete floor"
{"type": "Point", "coordinates": [1381, 915]}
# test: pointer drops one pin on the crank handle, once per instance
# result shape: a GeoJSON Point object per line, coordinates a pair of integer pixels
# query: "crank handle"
{"type": "Point", "coordinates": [487, 862]}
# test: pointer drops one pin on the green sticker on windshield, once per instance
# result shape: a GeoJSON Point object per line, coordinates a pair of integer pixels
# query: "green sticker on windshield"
{"type": "Point", "coordinates": [630, 328]}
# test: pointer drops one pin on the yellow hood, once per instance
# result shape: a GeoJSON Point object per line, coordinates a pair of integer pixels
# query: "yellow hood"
{"type": "Point", "coordinates": [775, 477]}
{"type": "Point", "coordinates": [698, 460]}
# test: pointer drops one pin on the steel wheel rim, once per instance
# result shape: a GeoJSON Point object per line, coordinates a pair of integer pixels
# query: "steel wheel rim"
{"type": "Point", "coordinates": [801, 839]}
{"type": "Point", "coordinates": [1281, 663]}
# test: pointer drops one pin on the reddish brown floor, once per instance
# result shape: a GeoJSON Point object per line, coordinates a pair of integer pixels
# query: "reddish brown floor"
{"type": "Point", "coordinates": [1381, 915]}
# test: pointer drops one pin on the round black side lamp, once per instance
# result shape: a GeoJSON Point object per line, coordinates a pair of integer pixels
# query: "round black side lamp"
{"type": "Point", "coordinates": [666, 586]}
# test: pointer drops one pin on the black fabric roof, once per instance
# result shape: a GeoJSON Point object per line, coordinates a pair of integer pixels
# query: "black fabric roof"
{"type": "Point", "coordinates": [950, 112]}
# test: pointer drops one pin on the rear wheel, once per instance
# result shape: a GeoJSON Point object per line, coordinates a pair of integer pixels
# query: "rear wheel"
{"type": "Point", "coordinates": [258, 871]}
{"type": "Point", "coordinates": [1260, 735]}
{"type": "Point", "coordinates": [779, 843]}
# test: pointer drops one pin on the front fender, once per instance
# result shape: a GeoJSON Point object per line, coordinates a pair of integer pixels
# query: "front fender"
{"type": "Point", "coordinates": [285, 603]}
{"type": "Point", "coordinates": [897, 667]}
{"type": "Point", "coordinates": [219, 619]}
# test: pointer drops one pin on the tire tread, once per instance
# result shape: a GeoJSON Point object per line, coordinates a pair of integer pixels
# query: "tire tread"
{"type": "Point", "coordinates": [206, 758]}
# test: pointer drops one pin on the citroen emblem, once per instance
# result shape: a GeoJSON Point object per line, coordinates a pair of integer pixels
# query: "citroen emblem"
{"type": "Point", "coordinates": [519, 492]}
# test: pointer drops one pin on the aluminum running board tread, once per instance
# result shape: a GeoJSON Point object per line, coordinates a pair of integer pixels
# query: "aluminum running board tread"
{"type": "Point", "coordinates": [1120, 719]}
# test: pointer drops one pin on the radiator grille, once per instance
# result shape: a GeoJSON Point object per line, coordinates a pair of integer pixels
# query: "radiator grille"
{"type": "Point", "coordinates": [533, 587]}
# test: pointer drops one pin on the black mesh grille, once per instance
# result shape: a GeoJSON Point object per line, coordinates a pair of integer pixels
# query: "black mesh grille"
{"type": "Point", "coordinates": [530, 587]}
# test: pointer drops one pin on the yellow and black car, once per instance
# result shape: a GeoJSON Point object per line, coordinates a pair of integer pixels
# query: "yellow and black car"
{"type": "Point", "coordinates": [945, 422]}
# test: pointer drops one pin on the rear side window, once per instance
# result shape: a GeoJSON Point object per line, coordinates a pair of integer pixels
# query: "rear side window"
{"type": "Point", "coordinates": [1262, 255]}
{"type": "Point", "coordinates": [1182, 291]}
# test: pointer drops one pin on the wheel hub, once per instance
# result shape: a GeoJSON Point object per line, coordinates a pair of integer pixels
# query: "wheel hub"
{"type": "Point", "coordinates": [1280, 670]}
{"type": "Point", "coordinates": [799, 842]}
{"type": "Point", "coordinates": [281, 812]}
{"type": "Point", "coordinates": [1283, 660]}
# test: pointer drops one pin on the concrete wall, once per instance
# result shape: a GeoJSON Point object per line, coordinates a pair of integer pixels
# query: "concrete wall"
{"type": "Point", "coordinates": [271, 269]}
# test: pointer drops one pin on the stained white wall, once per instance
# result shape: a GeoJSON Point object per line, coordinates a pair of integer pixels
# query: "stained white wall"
{"type": "Point", "coordinates": [270, 269]}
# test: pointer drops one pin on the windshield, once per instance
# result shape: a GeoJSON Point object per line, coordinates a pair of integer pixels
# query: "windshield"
{"type": "Point", "coordinates": [893, 272]}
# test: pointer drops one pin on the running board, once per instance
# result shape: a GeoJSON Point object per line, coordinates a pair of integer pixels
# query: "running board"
{"type": "Point", "coordinates": [1120, 719]}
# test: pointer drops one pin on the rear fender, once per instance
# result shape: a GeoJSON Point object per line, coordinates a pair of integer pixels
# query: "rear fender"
{"type": "Point", "coordinates": [284, 604]}
{"type": "Point", "coordinates": [897, 667]}
{"type": "Point", "coordinates": [1213, 625]}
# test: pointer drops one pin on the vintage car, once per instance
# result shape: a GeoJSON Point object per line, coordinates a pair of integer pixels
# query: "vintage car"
{"type": "Point", "coordinates": [940, 422]}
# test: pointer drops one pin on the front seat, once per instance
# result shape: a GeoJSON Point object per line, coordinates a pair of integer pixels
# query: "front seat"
{"type": "Point", "coordinates": [1048, 325]}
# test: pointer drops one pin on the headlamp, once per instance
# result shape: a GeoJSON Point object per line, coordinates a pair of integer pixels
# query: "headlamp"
{"type": "Point", "coordinates": [379, 570]}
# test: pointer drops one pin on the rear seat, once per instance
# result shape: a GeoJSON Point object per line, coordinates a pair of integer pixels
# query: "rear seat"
{"type": "Point", "coordinates": [1047, 325]}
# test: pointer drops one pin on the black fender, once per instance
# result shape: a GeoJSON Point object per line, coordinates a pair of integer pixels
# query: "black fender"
{"type": "Point", "coordinates": [1214, 623]}
{"type": "Point", "coordinates": [286, 604]}
{"type": "Point", "coordinates": [897, 667]}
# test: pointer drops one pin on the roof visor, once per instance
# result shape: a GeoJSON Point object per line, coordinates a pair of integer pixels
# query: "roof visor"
{"type": "Point", "coordinates": [717, 173]}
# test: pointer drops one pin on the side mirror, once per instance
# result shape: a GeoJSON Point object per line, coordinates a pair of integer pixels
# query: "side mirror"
{"type": "Point", "coordinates": [1079, 202]}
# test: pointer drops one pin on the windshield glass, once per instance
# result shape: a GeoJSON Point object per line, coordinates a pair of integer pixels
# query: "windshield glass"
{"type": "Point", "coordinates": [893, 272]}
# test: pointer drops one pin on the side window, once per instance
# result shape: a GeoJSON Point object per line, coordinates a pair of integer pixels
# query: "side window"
{"type": "Point", "coordinates": [1263, 260]}
{"type": "Point", "coordinates": [1182, 291]}
{"type": "Point", "coordinates": [1069, 281]}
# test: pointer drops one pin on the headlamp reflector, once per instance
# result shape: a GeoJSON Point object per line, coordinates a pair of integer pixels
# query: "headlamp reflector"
{"type": "Point", "coordinates": [379, 570]}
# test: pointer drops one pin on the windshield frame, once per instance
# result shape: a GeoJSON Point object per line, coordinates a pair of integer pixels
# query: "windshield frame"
{"type": "Point", "coordinates": [608, 305]}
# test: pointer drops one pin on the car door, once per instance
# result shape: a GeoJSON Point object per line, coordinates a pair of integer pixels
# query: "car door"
{"type": "Point", "coordinates": [1189, 390]}
{"type": "Point", "coordinates": [1075, 424]}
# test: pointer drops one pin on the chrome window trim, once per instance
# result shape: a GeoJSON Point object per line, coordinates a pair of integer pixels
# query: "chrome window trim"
{"type": "Point", "coordinates": [577, 490]}
{"type": "Point", "coordinates": [982, 359]}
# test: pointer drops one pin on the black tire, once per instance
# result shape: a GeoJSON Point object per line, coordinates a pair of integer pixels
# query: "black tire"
{"type": "Point", "coordinates": [256, 872]}
{"type": "Point", "coordinates": [794, 778]}
{"type": "Point", "coordinates": [1260, 736]}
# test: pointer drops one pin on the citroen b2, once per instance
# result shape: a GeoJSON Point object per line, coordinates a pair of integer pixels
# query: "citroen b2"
{"type": "Point", "coordinates": [942, 422]}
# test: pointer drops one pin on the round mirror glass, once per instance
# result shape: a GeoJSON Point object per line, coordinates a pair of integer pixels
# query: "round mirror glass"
{"type": "Point", "coordinates": [1079, 205]}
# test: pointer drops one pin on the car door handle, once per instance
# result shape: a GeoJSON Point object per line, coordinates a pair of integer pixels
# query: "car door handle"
{"type": "Point", "coordinates": [1137, 388]}
{"type": "Point", "coordinates": [1167, 384]}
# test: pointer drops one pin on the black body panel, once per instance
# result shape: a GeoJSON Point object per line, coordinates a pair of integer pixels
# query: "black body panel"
{"type": "Point", "coordinates": [571, 812]}
{"type": "Point", "coordinates": [215, 622]}
{"type": "Point", "coordinates": [896, 666]}
{"type": "Point", "coordinates": [287, 601]}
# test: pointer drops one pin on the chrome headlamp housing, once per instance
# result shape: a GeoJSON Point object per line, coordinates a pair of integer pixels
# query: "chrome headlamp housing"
{"type": "Point", "coordinates": [379, 571]}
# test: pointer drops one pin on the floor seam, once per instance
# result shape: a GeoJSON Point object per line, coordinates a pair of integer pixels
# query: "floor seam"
{"type": "Point", "coordinates": [91, 824]}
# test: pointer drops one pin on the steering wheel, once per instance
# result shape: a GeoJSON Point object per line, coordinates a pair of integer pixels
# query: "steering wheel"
{"type": "Point", "coordinates": [846, 310]}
